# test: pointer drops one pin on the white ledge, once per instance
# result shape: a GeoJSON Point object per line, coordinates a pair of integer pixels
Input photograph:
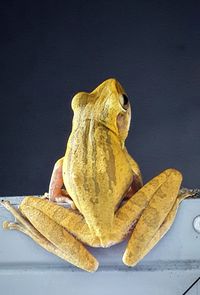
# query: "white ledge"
{"type": "Point", "coordinates": [169, 268]}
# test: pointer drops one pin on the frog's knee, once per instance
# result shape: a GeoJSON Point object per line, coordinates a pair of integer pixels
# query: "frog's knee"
{"type": "Point", "coordinates": [24, 202]}
{"type": "Point", "coordinates": [27, 202]}
{"type": "Point", "coordinates": [174, 173]}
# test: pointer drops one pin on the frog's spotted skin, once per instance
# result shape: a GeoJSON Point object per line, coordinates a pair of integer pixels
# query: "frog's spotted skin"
{"type": "Point", "coordinates": [104, 186]}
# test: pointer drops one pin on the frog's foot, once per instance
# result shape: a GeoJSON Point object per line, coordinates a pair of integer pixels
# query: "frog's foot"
{"type": "Point", "coordinates": [154, 208]}
{"type": "Point", "coordinates": [189, 193]}
{"type": "Point", "coordinates": [51, 236]}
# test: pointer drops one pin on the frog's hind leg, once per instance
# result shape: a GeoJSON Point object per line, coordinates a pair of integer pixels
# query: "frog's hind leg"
{"type": "Point", "coordinates": [51, 236]}
{"type": "Point", "coordinates": [165, 226]}
{"type": "Point", "coordinates": [68, 218]}
{"type": "Point", "coordinates": [149, 207]}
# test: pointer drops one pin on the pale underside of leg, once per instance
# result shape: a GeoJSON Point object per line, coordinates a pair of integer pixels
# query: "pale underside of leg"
{"type": "Point", "coordinates": [56, 181]}
{"type": "Point", "coordinates": [56, 192]}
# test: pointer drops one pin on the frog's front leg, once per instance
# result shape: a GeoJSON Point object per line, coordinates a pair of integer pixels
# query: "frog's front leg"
{"type": "Point", "coordinates": [154, 208]}
{"type": "Point", "coordinates": [56, 193]}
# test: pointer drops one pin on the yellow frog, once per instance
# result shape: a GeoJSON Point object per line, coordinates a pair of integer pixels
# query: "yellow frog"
{"type": "Point", "coordinates": [103, 187]}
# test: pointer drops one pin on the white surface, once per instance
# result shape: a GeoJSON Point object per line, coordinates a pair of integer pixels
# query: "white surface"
{"type": "Point", "coordinates": [169, 268]}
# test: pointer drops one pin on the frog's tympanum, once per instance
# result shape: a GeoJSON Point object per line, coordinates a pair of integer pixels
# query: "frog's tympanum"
{"type": "Point", "coordinates": [103, 186]}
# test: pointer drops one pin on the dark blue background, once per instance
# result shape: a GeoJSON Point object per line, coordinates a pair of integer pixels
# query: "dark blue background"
{"type": "Point", "coordinates": [52, 49]}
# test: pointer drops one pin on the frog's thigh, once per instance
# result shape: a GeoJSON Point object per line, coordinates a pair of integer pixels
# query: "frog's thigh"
{"type": "Point", "coordinates": [165, 226]}
{"type": "Point", "coordinates": [130, 212]}
{"type": "Point", "coordinates": [157, 216]}
{"type": "Point", "coordinates": [66, 217]}
{"type": "Point", "coordinates": [71, 249]}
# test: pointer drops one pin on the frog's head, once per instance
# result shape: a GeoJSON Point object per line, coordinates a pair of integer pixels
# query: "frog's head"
{"type": "Point", "coordinates": [107, 104]}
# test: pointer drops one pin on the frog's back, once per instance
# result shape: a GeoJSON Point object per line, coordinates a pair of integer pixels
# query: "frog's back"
{"type": "Point", "coordinates": [96, 173]}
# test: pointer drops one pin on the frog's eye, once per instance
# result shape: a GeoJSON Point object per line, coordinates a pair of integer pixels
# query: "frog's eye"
{"type": "Point", "coordinates": [124, 101]}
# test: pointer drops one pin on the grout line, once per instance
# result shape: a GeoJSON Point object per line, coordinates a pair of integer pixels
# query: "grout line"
{"type": "Point", "coordinates": [153, 266]}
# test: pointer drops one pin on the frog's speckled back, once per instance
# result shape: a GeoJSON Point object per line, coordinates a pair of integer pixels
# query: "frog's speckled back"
{"type": "Point", "coordinates": [95, 160]}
